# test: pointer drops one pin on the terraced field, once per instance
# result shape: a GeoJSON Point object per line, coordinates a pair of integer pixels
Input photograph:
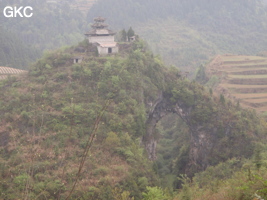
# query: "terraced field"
{"type": "Point", "coordinates": [7, 71]}
{"type": "Point", "coordinates": [83, 5]}
{"type": "Point", "coordinates": [242, 78]}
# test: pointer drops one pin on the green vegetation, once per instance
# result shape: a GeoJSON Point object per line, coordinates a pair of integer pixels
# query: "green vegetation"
{"type": "Point", "coordinates": [56, 106]}
{"type": "Point", "coordinates": [61, 115]}
{"type": "Point", "coordinates": [13, 52]}
{"type": "Point", "coordinates": [47, 118]}
{"type": "Point", "coordinates": [228, 181]}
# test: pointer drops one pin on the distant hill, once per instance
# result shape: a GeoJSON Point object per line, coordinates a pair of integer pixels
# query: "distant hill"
{"type": "Point", "coordinates": [188, 33]}
{"type": "Point", "coordinates": [54, 24]}
{"type": "Point", "coordinates": [185, 33]}
{"type": "Point", "coordinates": [82, 5]}
{"type": "Point", "coordinates": [14, 52]}
{"type": "Point", "coordinates": [51, 26]}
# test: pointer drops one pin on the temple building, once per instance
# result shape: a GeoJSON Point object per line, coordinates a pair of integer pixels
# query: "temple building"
{"type": "Point", "coordinates": [102, 37]}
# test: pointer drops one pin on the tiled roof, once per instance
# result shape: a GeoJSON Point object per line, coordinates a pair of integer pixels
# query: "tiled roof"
{"type": "Point", "coordinates": [99, 25]}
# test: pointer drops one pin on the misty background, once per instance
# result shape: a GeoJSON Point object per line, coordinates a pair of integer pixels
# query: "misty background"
{"type": "Point", "coordinates": [185, 33]}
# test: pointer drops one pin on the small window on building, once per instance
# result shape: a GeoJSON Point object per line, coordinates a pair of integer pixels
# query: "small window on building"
{"type": "Point", "coordinates": [76, 60]}
{"type": "Point", "coordinates": [109, 50]}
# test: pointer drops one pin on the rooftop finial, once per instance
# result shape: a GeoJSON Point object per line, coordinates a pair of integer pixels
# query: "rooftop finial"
{"type": "Point", "coordinates": [99, 19]}
{"type": "Point", "coordinates": [99, 23]}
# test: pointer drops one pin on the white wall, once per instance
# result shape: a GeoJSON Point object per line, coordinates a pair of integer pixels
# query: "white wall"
{"type": "Point", "coordinates": [115, 50]}
{"type": "Point", "coordinates": [104, 50]}
{"type": "Point", "coordinates": [93, 39]}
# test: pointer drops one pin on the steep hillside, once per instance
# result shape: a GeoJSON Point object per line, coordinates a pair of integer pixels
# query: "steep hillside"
{"type": "Point", "coordinates": [188, 33]}
{"type": "Point", "coordinates": [57, 105]}
{"type": "Point", "coordinates": [62, 117]}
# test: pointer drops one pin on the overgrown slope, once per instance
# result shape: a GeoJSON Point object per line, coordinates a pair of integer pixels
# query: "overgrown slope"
{"type": "Point", "coordinates": [47, 118]}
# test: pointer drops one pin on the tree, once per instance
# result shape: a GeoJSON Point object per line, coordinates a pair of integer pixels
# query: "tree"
{"type": "Point", "coordinates": [201, 75]}
{"type": "Point", "coordinates": [123, 35]}
{"type": "Point", "coordinates": [130, 33]}
{"type": "Point", "coordinates": [257, 159]}
{"type": "Point", "coordinates": [154, 193]}
{"type": "Point", "coordinates": [222, 99]}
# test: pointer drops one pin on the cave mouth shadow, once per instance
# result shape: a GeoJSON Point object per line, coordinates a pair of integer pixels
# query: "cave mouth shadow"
{"type": "Point", "coordinates": [173, 142]}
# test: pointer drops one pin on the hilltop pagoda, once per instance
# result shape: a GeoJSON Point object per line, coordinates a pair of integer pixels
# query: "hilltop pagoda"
{"type": "Point", "coordinates": [102, 37]}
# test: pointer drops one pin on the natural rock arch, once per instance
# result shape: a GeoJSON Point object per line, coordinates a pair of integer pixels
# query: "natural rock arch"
{"type": "Point", "coordinates": [203, 137]}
